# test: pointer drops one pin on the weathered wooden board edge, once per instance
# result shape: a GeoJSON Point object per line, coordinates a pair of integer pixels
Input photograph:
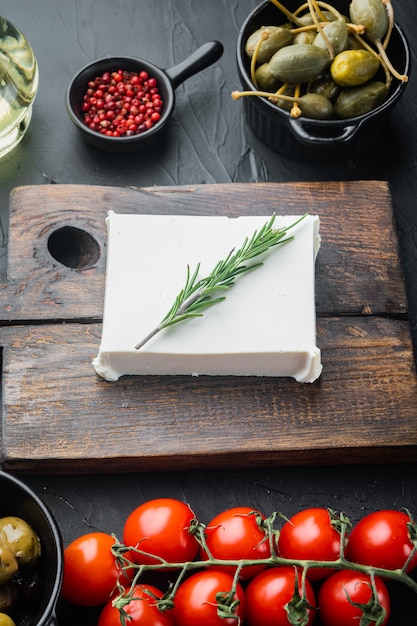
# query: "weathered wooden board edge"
{"type": "Point", "coordinates": [295, 458]}
{"type": "Point", "coordinates": [357, 225]}
{"type": "Point", "coordinates": [378, 395]}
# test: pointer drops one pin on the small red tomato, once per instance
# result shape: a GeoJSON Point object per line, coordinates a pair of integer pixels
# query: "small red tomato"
{"type": "Point", "coordinates": [161, 527]}
{"type": "Point", "coordinates": [90, 570]}
{"type": "Point", "coordinates": [382, 539]}
{"type": "Point", "coordinates": [198, 598]}
{"type": "Point", "coordinates": [238, 534]}
{"type": "Point", "coordinates": [310, 535]}
{"type": "Point", "coordinates": [341, 591]}
{"type": "Point", "coordinates": [269, 593]}
{"type": "Point", "coordinates": [142, 610]}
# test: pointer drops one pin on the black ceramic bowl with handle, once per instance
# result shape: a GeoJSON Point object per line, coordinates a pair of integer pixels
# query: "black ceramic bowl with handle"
{"type": "Point", "coordinates": [309, 139]}
{"type": "Point", "coordinates": [168, 80]}
{"type": "Point", "coordinates": [19, 500]}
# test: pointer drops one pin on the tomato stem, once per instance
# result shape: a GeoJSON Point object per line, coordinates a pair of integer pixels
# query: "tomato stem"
{"type": "Point", "coordinates": [273, 561]}
{"type": "Point", "coordinates": [226, 602]}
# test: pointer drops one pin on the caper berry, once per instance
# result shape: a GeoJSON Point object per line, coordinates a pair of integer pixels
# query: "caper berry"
{"type": "Point", "coordinates": [306, 36]}
{"type": "Point", "coordinates": [372, 14]}
{"type": "Point", "coordinates": [282, 103]}
{"type": "Point", "coordinates": [325, 86]}
{"type": "Point", "coordinates": [20, 539]}
{"type": "Point", "coordinates": [356, 101]}
{"type": "Point", "coordinates": [299, 63]}
{"type": "Point", "coordinates": [307, 18]}
{"type": "Point", "coordinates": [275, 39]}
{"type": "Point", "coordinates": [265, 80]}
{"type": "Point", "coordinates": [315, 106]}
{"type": "Point", "coordinates": [337, 35]}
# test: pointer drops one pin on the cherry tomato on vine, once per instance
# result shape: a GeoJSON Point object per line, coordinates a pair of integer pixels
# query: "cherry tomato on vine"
{"type": "Point", "coordinates": [382, 539]}
{"type": "Point", "coordinates": [345, 587]}
{"type": "Point", "coordinates": [197, 600]}
{"type": "Point", "coordinates": [310, 534]}
{"type": "Point", "coordinates": [161, 527]}
{"type": "Point", "coordinates": [90, 569]}
{"type": "Point", "coordinates": [142, 610]}
{"type": "Point", "coordinates": [238, 534]}
{"type": "Point", "coordinates": [269, 593]}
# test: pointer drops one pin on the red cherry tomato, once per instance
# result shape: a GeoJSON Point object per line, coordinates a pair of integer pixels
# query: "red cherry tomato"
{"type": "Point", "coordinates": [197, 598]}
{"type": "Point", "coordinates": [237, 534]}
{"type": "Point", "coordinates": [161, 527]}
{"type": "Point", "coordinates": [142, 610]}
{"type": "Point", "coordinates": [382, 539]}
{"type": "Point", "coordinates": [341, 589]}
{"type": "Point", "coordinates": [90, 570]}
{"type": "Point", "coordinates": [268, 594]}
{"type": "Point", "coordinates": [310, 535]}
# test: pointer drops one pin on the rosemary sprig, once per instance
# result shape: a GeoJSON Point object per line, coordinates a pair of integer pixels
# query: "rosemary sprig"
{"type": "Point", "coordinates": [198, 294]}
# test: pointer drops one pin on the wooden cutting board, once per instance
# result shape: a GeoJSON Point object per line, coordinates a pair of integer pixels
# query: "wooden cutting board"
{"type": "Point", "coordinates": [59, 416]}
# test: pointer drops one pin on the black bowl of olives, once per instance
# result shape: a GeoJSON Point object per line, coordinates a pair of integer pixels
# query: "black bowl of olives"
{"type": "Point", "coordinates": [31, 557]}
{"type": "Point", "coordinates": [322, 84]}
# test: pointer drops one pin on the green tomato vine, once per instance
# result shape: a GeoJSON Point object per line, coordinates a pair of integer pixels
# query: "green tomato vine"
{"type": "Point", "coordinates": [297, 609]}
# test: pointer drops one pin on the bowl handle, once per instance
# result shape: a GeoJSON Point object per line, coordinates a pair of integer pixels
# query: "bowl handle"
{"type": "Point", "coordinates": [345, 133]}
{"type": "Point", "coordinates": [204, 56]}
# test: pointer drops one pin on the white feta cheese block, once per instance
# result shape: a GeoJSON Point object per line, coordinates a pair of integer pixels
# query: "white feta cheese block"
{"type": "Point", "coordinates": [266, 326]}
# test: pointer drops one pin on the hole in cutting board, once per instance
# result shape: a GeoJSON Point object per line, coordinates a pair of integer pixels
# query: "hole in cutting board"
{"type": "Point", "coordinates": [74, 247]}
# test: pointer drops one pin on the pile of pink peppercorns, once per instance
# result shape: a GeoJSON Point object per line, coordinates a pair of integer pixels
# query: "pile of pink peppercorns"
{"type": "Point", "coordinates": [122, 103]}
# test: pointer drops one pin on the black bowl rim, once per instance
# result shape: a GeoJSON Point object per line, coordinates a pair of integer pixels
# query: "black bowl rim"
{"type": "Point", "coordinates": [387, 104]}
{"type": "Point", "coordinates": [115, 62]}
{"type": "Point", "coordinates": [50, 607]}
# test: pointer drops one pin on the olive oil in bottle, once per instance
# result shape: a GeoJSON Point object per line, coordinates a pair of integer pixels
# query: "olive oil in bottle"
{"type": "Point", "coordinates": [18, 85]}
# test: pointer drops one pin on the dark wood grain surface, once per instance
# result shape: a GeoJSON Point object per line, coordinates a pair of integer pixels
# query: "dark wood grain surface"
{"type": "Point", "coordinates": [185, 422]}
{"type": "Point", "coordinates": [208, 141]}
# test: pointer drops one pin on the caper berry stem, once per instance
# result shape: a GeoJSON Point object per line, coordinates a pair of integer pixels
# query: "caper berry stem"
{"type": "Point", "coordinates": [305, 29]}
{"type": "Point", "coordinates": [291, 16]}
{"type": "Point", "coordinates": [296, 111]}
{"type": "Point", "coordinates": [390, 11]}
{"type": "Point", "coordinates": [312, 4]}
{"type": "Point", "coordinates": [264, 35]}
{"type": "Point", "coordinates": [402, 77]}
{"type": "Point", "coordinates": [322, 5]}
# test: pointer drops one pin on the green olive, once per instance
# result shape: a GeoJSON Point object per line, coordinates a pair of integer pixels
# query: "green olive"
{"type": "Point", "coordinates": [351, 68]}
{"type": "Point", "coordinates": [8, 596]}
{"type": "Point", "coordinates": [6, 620]}
{"type": "Point", "coordinates": [372, 14]}
{"type": "Point", "coordinates": [337, 35]}
{"type": "Point", "coordinates": [264, 79]}
{"type": "Point", "coordinates": [8, 564]}
{"type": "Point", "coordinates": [22, 541]}
{"type": "Point", "coordinates": [360, 100]}
{"type": "Point", "coordinates": [299, 63]}
{"type": "Point", "coordinates": [315, 106]}
{"type": "Point", "coordinates": [325, 86]}
{"type": "Point", "coordinates": [277, 38]}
